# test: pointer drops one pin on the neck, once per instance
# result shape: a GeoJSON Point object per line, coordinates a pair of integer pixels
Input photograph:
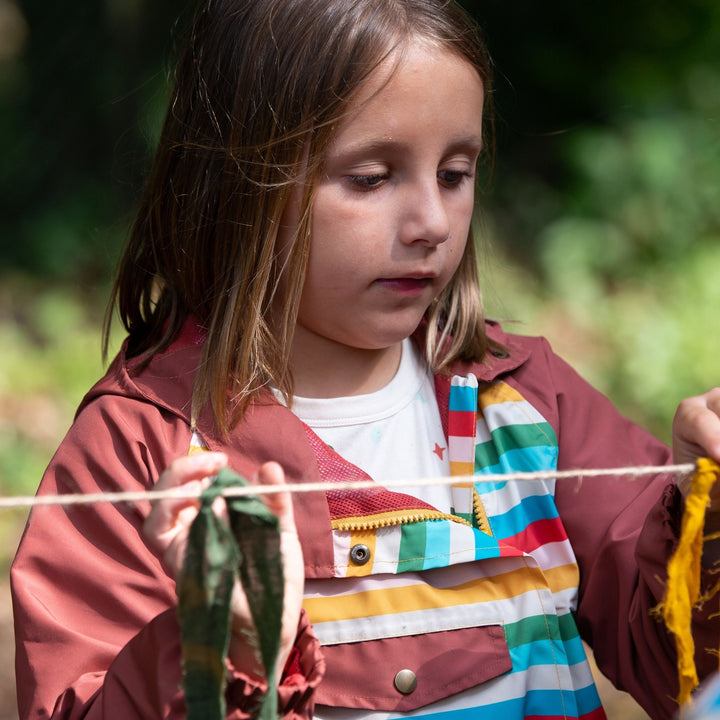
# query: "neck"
{"type": "Point", "coordinates": [325, 369]}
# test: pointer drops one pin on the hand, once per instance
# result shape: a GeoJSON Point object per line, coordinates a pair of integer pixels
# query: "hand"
{"type": "Point", "coordinates": [166, 530]}
{"type": "Point", "coordinates": [243, 651]}
{"type": "Point", "coordinates": [696, 428]}
{"type": "Point", "coordinates": [696, 433]}
{"type": "Point", "coordinates": [166, 527]}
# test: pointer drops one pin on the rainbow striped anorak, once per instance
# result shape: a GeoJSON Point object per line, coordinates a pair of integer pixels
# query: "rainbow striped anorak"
{"type": "Point", "coordinates": [500, 562]}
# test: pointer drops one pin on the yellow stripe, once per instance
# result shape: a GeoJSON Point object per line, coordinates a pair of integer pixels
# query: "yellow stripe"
{"type": "Point", "coordinates": [362, 537]}
{"type": "Point", "coordinates": [424, 597]}
{"type": "Point", "coordinates": [461, 468]}
{"type": "Point", "coordinates": [499, 393]}
{"type": "Point", "coordinates": [563, 577]}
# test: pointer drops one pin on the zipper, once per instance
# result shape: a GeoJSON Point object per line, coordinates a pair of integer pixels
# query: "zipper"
{"type": "Point", "coordinates": [481, 518]}
{"type": "Point", "coordinates": [391, 519]}
{"type": "Point", "coordinates": [359, 525]}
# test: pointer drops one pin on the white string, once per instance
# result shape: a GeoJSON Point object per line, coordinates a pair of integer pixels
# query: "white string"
{"type": "Point", "coordinates": [21, 501]}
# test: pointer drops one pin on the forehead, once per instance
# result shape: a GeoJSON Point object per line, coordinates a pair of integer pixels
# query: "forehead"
{"type": "Point", "coordinates": [418, 54]}
{"type": "Point", "coordinates": [421, 87]}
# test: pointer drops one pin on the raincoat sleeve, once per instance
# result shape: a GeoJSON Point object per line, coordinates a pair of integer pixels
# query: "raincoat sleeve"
{"type": "Point", "coordinates": [97, 634]}
{"type": "Point", "coordinates": [623, 531]}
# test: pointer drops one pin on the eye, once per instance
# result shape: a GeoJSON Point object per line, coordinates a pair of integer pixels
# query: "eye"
{"type": "Point", "coordinates": [365, 183]}
{"type": "Point", "coordinates": [454, 178]}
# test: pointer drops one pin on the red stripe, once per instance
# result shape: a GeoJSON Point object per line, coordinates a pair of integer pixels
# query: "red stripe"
{"type": "Point", "coordinates": [462, 423]}
{"type": "Point", "coordinates": [598, 714]}
{"type": "Point", "coordinates": [539, 533]}
{"type": "Point", "coordinates": [507, 551]}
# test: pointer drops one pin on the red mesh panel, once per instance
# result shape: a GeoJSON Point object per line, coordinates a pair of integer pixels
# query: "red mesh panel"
{"type": "Point", "coordinates": [355, 503]}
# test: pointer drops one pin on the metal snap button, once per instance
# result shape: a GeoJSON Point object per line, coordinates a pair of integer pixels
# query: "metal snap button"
{"type": "Point", "coordinates": [406, 681]}
{"type": "Point", "coordinates": [360, 554]}
{"type": "Point", "coordinates": [499, 354]}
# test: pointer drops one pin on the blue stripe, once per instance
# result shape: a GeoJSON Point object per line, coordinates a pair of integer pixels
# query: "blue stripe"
{"type": "Point", "coordinates": [437, 544]}
{"type": "Point", "coordinates": [486, 547]}
{"type": "Point", "coordinates": [540, 703]}
{"type": "Point", "coordinates": [538, 652]}
{"type": "Point", "coordinates": [463, 399]}
{"type": "Point", "coordinates": [529, 459]}
{"type": "Point", "coordinates": [539, 457]}
{"type": "Point", "coordinates": [438, 552]}
{"type": "Point", "coordinates": [547, 652]}
{"type": "Point", "coordinates": [575, 651]}
{"type": "Point", "coordinates": [587, 699]}
{"type": "Point", "coordinates": [529, 510]}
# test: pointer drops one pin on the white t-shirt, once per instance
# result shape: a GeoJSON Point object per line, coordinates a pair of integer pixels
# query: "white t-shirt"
{"type": "Point", "coordinates": [393, 433]}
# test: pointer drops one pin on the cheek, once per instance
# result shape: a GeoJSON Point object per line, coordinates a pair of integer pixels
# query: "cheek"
{"type": "Point", "coordinates": [456, 250]}
{"type": "Point", "coordinates": [465, 207]}
{"type": "Point", "coordinates": [456, 258]}
{"type": "Point", "coordinates": [464, 224]}
{"type": "Point", "coordinates": [330, 269]}
{"type": "Point", "coordinates": [343, 241]}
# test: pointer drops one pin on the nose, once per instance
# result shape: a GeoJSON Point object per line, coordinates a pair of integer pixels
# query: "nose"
{"type": "Point", "coordinates": [427, 220]}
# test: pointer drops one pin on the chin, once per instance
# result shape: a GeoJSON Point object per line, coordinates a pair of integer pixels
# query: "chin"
{"type": "Point", "coordinates": [385, 340]}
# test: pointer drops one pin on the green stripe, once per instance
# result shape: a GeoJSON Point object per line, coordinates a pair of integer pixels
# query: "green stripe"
{"type": "Point", "coordinates": [539, 627]}
{"type": "Point", "coordinates": [514, 437]}
{"type": "Point", "coordinates": [467, 517]}
{"type": "Point", "coordinates": [412, 547]}
{"type": "Point", "coordinates": [568, 627]}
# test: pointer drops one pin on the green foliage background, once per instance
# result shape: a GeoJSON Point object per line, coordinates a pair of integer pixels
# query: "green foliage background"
{"type": "Point", "coordinates": [600, 223]}
{"type": "Point", "coordinates": [601, 219]}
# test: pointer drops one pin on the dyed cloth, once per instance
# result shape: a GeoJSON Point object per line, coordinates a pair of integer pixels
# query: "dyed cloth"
{"type": "Point", "coordinates": [246, 548]}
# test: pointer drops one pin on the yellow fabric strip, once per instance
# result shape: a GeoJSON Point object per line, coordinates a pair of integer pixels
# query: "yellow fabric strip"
{"type": "Point", "coordinates": [683, 582]}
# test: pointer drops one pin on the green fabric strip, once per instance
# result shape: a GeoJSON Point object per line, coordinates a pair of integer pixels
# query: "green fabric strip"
{"type": "Point", "coordinates": [217, 554]}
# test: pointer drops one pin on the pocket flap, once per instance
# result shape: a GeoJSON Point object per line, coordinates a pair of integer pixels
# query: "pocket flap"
{"type": "Point", "coordinates": [362, 674]}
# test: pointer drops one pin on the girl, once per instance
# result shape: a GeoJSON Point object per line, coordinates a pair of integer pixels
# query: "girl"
{"type": "Point", "coordinates": [301, 302]}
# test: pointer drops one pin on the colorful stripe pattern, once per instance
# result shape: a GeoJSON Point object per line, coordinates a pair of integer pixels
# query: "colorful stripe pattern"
{"type": "Point", "coordinates": [503, 558]}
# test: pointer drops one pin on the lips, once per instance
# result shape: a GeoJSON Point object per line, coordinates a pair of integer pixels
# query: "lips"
{"type": "Point", "coordinates": [406, 285]}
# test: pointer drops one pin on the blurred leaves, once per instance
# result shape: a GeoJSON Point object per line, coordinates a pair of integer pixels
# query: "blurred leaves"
{"type": "Point", "coordinates": [50, 336]}
{"type": "Point", "coordinates": [79, 110]}
{"type": "Point", "coordinates": [603, 215]}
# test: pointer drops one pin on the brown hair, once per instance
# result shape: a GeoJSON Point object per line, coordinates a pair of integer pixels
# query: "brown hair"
{"type": "Point", "coordinates": [258, 90]}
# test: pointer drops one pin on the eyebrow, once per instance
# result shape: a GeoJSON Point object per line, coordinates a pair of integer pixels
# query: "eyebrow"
{"type": "Point", "coordinates": [471, 143]}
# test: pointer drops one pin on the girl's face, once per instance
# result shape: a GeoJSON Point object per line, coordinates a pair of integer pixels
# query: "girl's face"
{"type": "Point", "coordinates": [392, 212]}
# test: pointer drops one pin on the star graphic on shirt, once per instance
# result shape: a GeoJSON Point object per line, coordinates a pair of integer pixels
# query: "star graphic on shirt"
{"type": "Point", "coordinates": [439, 451]}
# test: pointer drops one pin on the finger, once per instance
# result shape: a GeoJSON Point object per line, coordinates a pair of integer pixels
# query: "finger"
{"type": "Point", "coordinates": [189, 473]}
{"type": "Point", "coordinates": [191, 467]}
{"type": "Point", "coordinates": [696, 427]}
{"type": "Point", "coordinates": [271, 473]}
{"type": "Point", "coordinates": [712, 400]}
{"type": "Point", "coordinates": [169, 515]}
